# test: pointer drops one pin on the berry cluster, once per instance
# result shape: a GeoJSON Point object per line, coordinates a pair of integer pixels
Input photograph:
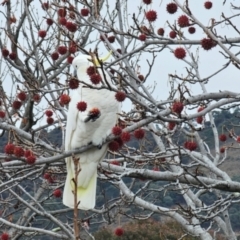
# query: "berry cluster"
{"type": "Point", "coordinates": [6, 53]}
{"type": "Point", "coordinates": [18, 151]}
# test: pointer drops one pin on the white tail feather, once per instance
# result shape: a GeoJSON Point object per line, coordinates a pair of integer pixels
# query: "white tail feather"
{"type": "Point", "coordinates": [85, 196]}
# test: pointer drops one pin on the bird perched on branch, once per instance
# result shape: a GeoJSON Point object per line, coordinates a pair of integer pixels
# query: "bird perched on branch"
{"type": "Point", "coordinates": [88, 123]}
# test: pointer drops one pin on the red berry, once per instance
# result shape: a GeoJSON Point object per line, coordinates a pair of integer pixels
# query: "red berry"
{"type": "Point", "coordinates": [5, 52]}
{"type": "Point", "coordinates": [62, 50]}
{"type": "Point", "coordinates": [171, 125]}
{"type": "Point", "coordinates": [223, 137]}
{"type": "Point", "coordinates": [113, 146]}
{"type": "Point", "coordinates": [139, 133]}
{"type": "Point", "coordinates": [13, 56]}
{"type": "Point", "coordinates": [190, 145]}
{"type": "Point", "coordinates": [125, 136]}
{"type": "Point", "coordinates": [183, 21]}
{"type": "Point", "coordinates": [84, 12]}
{"type": "Point", "coordinates": [91, 70]}
{"type": "Point", "coordinates": [49, 21]}
{"type": "Point", "coordinates": [64, 99]}
{"type": "Point", "coordinates": [45, 6]}
{"type": "Point", "coordinates": [73, 83]}
{"type": "Point", "coordinates": [28, 153]}
{"type": "Point", "coordinates": [72, 27]}
{"type": "Point", "coordinates": [42, 33]}
{"type": "Point", "coordinates": [147, 1]}
{"type": "Point", "coordinates": [72, 49]}
{"type": "Point", "coordinates": [111, 39]}
{"type": "Point", "coordinates": [200, 119]}
{"type": "Point", "coordinates": [115, 162]}
{"type": "Point", "coordinates": [116, 131]}
{"type": "Point", "coordinates": [46, 175]}
{"type": "Point", "coordinates": [2, 114]}
{"type": "Point", "coordinates": [151, 15]}
{"type": "Point", "coordinates": [222, 149]}
{"type": "Point", "coordinates": [142, 37]}
{"type": "Point", "coordinates": [36, 98]}
{"type": "Point", "coordinates": [118, 231]}
{"type": "Point", "coordinates": [120, 96]}
{"type": "Point", "coordinates": [172, 8]}
{"type": "Point", "coordinates": [50, 120]}
{"type": "Point", "coordinates": [5, 236]}
{"type": "Point", "coordinates": [160, 31]}
{"type": "Point", "coordinates": [49, 113]}
{"type": "Point", "coordinates": [200, 109]}
{"type": "Point", "coordinates": [208, 5]}
{"type": "Point", "coordinates": [57, 193]}
{"type": "Point", "coordinates": [18, 152]}
{"type": "Point", "coordinates": [172, 34]}
{"type": "Point", "coordinates": [82, 106]}
{"type": "Point", "coordinates": [22, 96]}
{"type": "Point", "coordinates": [177, 107]}
{"type": "Point", "coordinates": [62, 12]}
{"type": "Point", "coordinates": [16, 104]}
{"type": "Point", "coordinates": [95, 78]}
{"type": "Point", "coordinates": [31, 159]}
{"type": "Point", "coordinates": [62, 21]}
{"type": "Point", "coordinates": [9, 148]}
{"type": "Point", "coordinates": [141, 77]}
{"type": "Point", "coordinates": [238, 139]}
{"type": "Point", "coordinates": [54, 56]}
{"type": "Point", "coordinates": [70, 59]}
{"type": "Point", "coordinates": [191, 30]}
{"type": "Point", "coordinates": [208, 43]}
{"type": "Point", "coordinates": [180, 53]}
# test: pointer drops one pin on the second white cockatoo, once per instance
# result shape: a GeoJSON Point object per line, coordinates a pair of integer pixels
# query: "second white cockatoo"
{"type": "Point", "coordinates": [83, 129]}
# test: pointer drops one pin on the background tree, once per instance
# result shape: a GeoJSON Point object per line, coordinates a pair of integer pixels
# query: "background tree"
{"type": "Point", "coordinates": [165, 56]}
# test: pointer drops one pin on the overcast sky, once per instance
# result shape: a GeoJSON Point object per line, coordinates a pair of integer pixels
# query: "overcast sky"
{"type": "Point", "coordinates": [209, 61]}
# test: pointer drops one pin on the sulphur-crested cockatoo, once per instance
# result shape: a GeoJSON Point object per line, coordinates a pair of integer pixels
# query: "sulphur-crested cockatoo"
{"type": "Point", "coordinates": [82, 129]}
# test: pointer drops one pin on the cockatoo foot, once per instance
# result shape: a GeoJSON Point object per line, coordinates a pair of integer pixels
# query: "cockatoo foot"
{"type": "Point", "coordinates": [99, 146]}
{"type": "Point", "coordinates": [92, 116]}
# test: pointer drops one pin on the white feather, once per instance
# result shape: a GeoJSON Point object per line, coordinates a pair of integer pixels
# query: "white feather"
{"type": "Point", "coordinates": [80, 133]}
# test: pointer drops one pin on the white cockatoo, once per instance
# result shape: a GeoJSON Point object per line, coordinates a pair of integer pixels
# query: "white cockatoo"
{"type": "Point", "coordinates": [82, 129]}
